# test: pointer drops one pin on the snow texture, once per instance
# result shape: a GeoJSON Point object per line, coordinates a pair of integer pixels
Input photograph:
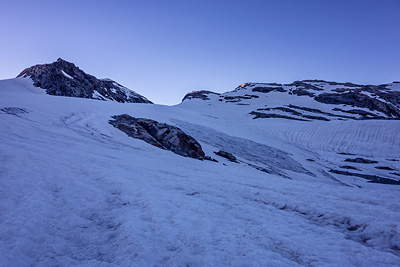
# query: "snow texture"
{"type": "Point", "coordinates": [74, 190]}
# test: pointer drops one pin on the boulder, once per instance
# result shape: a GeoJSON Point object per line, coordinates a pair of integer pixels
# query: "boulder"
{"type": "Point", "coordinates": [158, 134]}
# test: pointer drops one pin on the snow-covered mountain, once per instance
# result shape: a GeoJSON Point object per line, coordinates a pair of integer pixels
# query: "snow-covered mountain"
{"type": "Point", "coordinates": [287, 175]}
{"type": "Point", "coordinates": [313, 100]}
{"type": "Point", "coordinates": [63, 78]}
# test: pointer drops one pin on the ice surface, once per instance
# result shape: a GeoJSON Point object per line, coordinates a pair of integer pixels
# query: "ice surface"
{"type": "Point", "coordinates": [76, 191]}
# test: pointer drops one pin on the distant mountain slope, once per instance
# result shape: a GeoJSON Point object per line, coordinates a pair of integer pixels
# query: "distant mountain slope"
{"type": "Point", "coordinates": [63, 78]}
{"type": "Point", "coordinates": [311, 100]}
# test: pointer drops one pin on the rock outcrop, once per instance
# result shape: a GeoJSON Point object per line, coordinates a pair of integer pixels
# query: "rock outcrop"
{"type": "Point", "coordinates": [63, 78]}
{"type": "Point", "coordinates": [202, 94]}
{"type": "Point", "coordinates": [361, 160]}
{"type": "Point", "coordinates": [227, 155]}
{"type": "Point", "coordinates": [158, 134]}
{"type": "Point", "coordinates": [356, 98]}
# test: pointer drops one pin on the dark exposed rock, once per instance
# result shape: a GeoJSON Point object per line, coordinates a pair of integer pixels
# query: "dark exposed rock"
{"type": "Point", "coordinates": [14, 111]}
{"type": "Point", "coordinates": [315, 81]}
{"type": "Point", "coordinates": [305, 85]}
{"type": "Point", "coordinates": [226, 155]}
{"type": "Point", "coordinates": [384, 168]}
{"type": "Point", "coordinates": [63, 78]}
{"type": "Point", "coordinates": [265, 115]}
{"type": "Point", "coordinates": [251, 96]}
{"type": "Point", "coordinates": [359, 100]}
{"type": "Point", "coordinates": [360, 112]}
{"type": "Point", "coordinates": [392, 97]}
{"type": "Point", "coordinates": [233, 99]}
{"type": "Point", "coordinates": [361, 160]}
{"type": "Point", "coordinates": [268, 89]}
{"type": "Point", "coordinates": [301, 92]}
{"type": "Point", "coordinates": [288, 110]}
{"type": "Point", "coordinates": [246, 96]}
{"type": "Point", "coordinates": [246, 85]}
{"type": "Point", "coordinates": [348, 84]}
{"type": "Point", "coordinates": [364, 114]}
{"type": "Point", "coordinates": [160, 135]}
{"type": "Point", "coordinates": [314, 110]}
{"type": "Point", "coordinates": [371, 178]}
{"type": "Point", "coordinates": [202, 94]}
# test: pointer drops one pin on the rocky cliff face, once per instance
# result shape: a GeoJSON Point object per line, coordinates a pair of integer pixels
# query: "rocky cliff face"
{"type": "Point", "coordinates": [63, 78]}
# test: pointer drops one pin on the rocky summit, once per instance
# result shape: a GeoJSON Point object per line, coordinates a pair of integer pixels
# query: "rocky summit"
{"type": "Point", "coordinates": [63, 78]}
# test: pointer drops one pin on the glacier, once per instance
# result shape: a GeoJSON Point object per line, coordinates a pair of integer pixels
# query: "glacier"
{"type": "Point", "coordinates": [74, 190]}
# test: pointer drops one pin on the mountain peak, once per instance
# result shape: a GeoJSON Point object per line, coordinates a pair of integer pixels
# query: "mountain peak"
{"type": "Point", "coordinates": [63, 78]}
{"type": "Point", "coordinates": [63, 62]}
{"type": "Point", "coordinates": [60, 60]}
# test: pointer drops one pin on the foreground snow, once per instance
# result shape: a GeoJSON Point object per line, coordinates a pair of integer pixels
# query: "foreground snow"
{"type": "Point", "coordinates": [76, 191]}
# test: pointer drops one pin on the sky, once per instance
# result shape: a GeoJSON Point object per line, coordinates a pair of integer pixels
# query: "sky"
{"type": "Point", "coordinates": [165, 49]}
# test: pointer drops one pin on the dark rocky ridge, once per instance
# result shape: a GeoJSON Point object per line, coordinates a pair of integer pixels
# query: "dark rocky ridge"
{"type": "Point", "coordinates": [161, 135]}
{"type": "Point", "coordinates": [268, 89]}
{"type": "Point", "coordinates": [202, 94]}
{"type": "Point", "coordinates": [355, 98]}
{"type": "Point", "coordinates": [63, 78]}
{"type": "Point", "coordinates": [361, 160]}
{"type": "Point", "coordinates": [278, 116]}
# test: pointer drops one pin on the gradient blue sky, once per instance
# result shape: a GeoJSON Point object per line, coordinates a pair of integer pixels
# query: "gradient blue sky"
{"type": "Point", "coordinates": [164, 49]}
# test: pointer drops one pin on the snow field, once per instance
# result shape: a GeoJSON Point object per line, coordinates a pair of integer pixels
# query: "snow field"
{"type": "Point", "coordinates": [76, 191]}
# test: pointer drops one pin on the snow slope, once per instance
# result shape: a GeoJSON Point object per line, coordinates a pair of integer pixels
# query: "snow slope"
{"type": "Point", "coordinates": [74, 190]}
